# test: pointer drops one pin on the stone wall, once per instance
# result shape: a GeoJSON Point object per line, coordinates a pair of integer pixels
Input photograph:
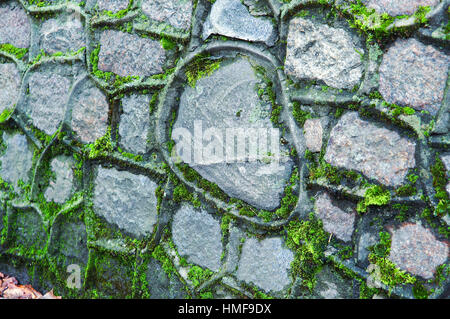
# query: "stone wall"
{"type": "Point", "coordinates": [96, 201]}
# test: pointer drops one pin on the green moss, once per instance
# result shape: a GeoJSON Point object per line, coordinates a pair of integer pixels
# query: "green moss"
{"type": "Point", "coordinates": [166, 263]}
{"type": "Point", "coordinates": [420, 292]}
{"type": "Point", "coordinates": [439, 183]}
{"type": "Point", "coordinates": [17, 52]}
{"type": "Point", "coordinates": [101, 147]}
{"type": "Point", "coordinates": [5, 115]}
{"type": "Point", "coordinates": [308, 240]}
{"type": "Point", "coordinates": [199, 275]}
{"type": "Point", "coordinates": [119, 14]}
{"type": "Point", "coordinates": [299, 115]}
{"type": "Point", "coordinates": [374, 195]}
{"type": "Point", "coordinates": [201, 66]}
{"type": "Point", "coordinates": [225, 225]}
{"type": "Point", "coordinates": [167, 44]}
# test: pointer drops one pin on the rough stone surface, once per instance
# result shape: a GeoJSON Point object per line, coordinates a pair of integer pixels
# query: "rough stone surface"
{"type": "Point", "coordinates": [215, 101]}
{"type": "Point", "coordinates": [47, 100]}
{"type": "Point", "coordinates": [330, 285]}
{"type": "Point", "coordinates": [9, 86]}
{"type": "Point", "coordinates": [232, 19]}
{"type": "Point", "coordinates": [398, 7]}
{"type": "Point", "coordinates": [265, 263]}
{"type": "Point", "coordinates": [377, 152]}
{"type": "Point", "coordinates": [313, 134]}
{"type": "Point", "coordinates": [320, 52]}
{"type": "Point", "coordinates": [414, 74]}
{"type": "Point", "coordinates": [416, 250]}
{"type": "Point", "coordinates": [14, 25]}
{"type": "Point", "coordinates": [177, 13]}
{"type": "Point", "coordinates": [60, 189]}
{"type": "Point", "coordinates": [365, 241]}
{"type": "Point", "coordinates": [335, 220]}
{"type": "Point", "coordinates": [197, 235]}
{"type": "Point", "coordinates": [126, 200]}
{"type": "Point", "coordinates": [128, 54]}
{"type": "Point", "coordinates": [134, 123]}
{"type": "Point", "coordinates": [161, 286]}
{"type": "Point", "coordinates": [62, 35]}
{"type": "Point", "coordinates": [90, 114]}
{"type": "Point", "coordinates": [17, 159]}
{"type": "Point", "coordinates": [112, 5]}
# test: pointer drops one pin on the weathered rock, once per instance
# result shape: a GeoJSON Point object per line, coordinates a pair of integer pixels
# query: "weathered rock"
{"type": "Point", "coordinates": [9, 90]}
{"type": "Point", "coordinates": [265, 263]}
{"type": "Point", "coordinates": [17, 159]}
{"type": "Point", "coordinates": [60, 190]}
{"type": "Point", "coordinates": [335, 220]}
{"type": "Point", "coordinates": [416, 250]}
{"type": "Point", "coordinates": [14, 25]}
{"type": "Point", "coordinates": [228, 99]}
{"type": "Point", "coordinates": [62, 35]}
{"type": "Point", "coordinates": [365, 241]}
{"type": "Point", "coordinates": [134, 123]}
{"type": "Point", "coordinates": [414, 74]}
{"type": "Point", "coordinates": [161, 286]}
{"type": "Point", "coordinates": [232, 19]}
{"type": "Point", "coordinates": [126, 200]}
{"type": "Point", "coordinates": [313, 134]}
{"type": "Point", "coordinates": [377, 152]}
{"type": "Point", "coordinates": [47, 100]}
{"type": "Point", "coordinates": [128, 54]}
{"type": "Point", "coordinates": [27, 229]}
{"type": "Point", "coordinates": [198, 236]}
{"type": "Point", "coordinates": [330, 285]}
{"type": "Point", "coordinates": [320, 52]}
{"type": "Point", "coordinates": [89, 113]}
{"type": "Point", "coordinates": [398, 7]}
{"type": "Point", "coordinates": [177, 13]}
{"type": "Point", "coordinates": [112, 5]}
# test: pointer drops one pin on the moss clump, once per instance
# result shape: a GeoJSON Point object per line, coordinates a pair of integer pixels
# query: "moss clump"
{"type": "Point", "coordinates": [17, 52]}
{"type": "Point", "coordinates": [439, 183]}
{"type": "Point", "coordinates": [201, 66]}
{"type": "Point", "coordinates": [225, 225]}
{"type": "Point", "coordinates": [199, 275]}
{"type": "Point", "coordinates": [119, 14]}
{"type": "Point", "coordinates": [101, 147]}
{"type": "Point", "coordinates": [376, 196]}
{"type": "Point", "coordinates": [5, 115]}
{"type": "Point", "coordinates": [166, 263]}
{"type": "Point", "coordinates": [309, 240]}
{"type": "Point", "coordinates": [299, 115]}
{"type": "Point", "coordinates": [167, 44]}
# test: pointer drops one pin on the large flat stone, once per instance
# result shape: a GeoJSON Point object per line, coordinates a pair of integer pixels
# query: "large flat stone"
{"type": "Point", "coordinates": [414, 74]}
{"type": "Point", "coordinates": [62, 35]}
{"type": "Point", "coordinates": [335, 220]}
{"type": "Point", "coordinates": [232, 19]}
{"type": "Point", "coordinates": [198, 236]}
{"type": "Point", "coordinates": [47, 100]}
{"type": "Point", "coordinates": [89, 113]}
{"type": "Point", "coordinates": [128, 54]}
{"type": "Point", "coordinates": [60, 189]}
{"type": "Point", "coordinates": [319, 52]}
{"type": "Point", "coordinates": [14, 25]}
{"type": "Point", "coordinates": [134, 123]}
{"type": "Point", "coordinates": [313, 134]}
{"type": "Point", "coordinates": [377, 152]}
{"type": "Point", "coordinates": [265, 263]}
{"type": "Point", "coordinates": [9, 90]}
{"type": "Point", "coordinates": [228, 99]}
{"type": "Point", "coordinates": [416, 250]}
{"type": "Point", "coordinates": [398, 7]}
{"type": "Point", "coordinates": [126, 200]}
{"type": "Point", "coordinates": [177, 13]}
{"type": "Point", "coordinates": [17, 160]}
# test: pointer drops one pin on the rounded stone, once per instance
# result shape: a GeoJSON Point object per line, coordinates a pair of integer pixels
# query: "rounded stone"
{"type": "Point", "coordinates": [320, 52]}
{"type": "Point", "coordinates": [313, 134]}
{"type": "Point", "coordinates": [134, 123]}
{"type": "Point", "coordinates": [17, 160]}
{"type": "Point", "coordinates": [177, 13]}
{"type": "Point", "coordinates": [226, 104]}
{"type": "Point", "coordinates": [14, 25]}
{"type": "Point", "coordinates": [130, 55]}
{"type": "Point", "coordinates": [414, 74]}
{"type": "Point", "coordinates": [60, 189]}
{"type": "Point", "coordinates": [416, 250]}
{"type": "Point", "coordinates": [377, 152]}
{"type": "Point", "coordinates": [9, 86]}
{"type": "Point", "coordinates": [198, 236]}
{"type": "Point", "coordinates": [89, 112]}
{"type": "Point", "coordinates": [126, 200]}
{"type": "Point", "coordinates": [265, 263]}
